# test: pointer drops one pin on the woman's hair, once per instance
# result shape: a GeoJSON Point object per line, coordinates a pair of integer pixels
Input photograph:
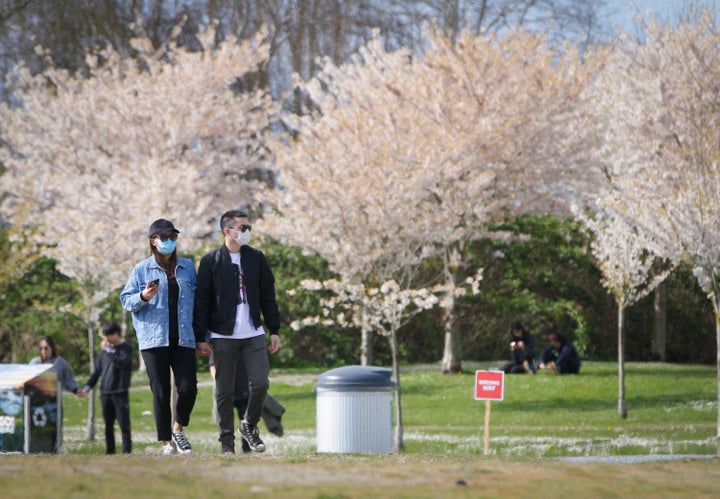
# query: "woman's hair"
{"type": "Point", "coordinates": [51, 344]}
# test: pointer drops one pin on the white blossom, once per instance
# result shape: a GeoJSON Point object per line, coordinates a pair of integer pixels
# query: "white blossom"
{"type": "Point", "coordinates": [98, 158]}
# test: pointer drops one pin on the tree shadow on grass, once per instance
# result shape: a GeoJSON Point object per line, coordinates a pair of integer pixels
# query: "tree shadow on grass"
{"type": "Point", "coordinates": [669, 372]}
{"type": "Point", "coordinates": [557, 404]}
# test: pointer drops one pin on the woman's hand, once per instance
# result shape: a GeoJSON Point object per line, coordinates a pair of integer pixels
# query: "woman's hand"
{"type": "Point", "coordinates": [151, 289]}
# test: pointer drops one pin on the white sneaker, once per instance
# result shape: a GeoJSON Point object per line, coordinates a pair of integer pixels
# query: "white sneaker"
{"type": "Point", "coordinates": [181, 441]}
{"type": "Point", "coordinates": [168, 449]}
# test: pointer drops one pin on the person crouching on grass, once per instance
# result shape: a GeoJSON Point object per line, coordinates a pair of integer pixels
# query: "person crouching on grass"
{"type": "Point", "coordinates": [560, 357]}
{"type": "Point", "coordinates": [114, 366]}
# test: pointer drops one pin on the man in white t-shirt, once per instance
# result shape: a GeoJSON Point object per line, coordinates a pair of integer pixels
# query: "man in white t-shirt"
{"type": "Point", "coordinates": [235, 288]}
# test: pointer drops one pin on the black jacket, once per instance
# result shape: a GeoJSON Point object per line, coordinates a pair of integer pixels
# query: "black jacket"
{"type": "Point", "coordinates": [566, 359]}
{"type": "Point", "coordinates": [217, 293]}
{"type": "Point", "coordinates": [114, 367]}
{"type": "Point", "coordinates": [528, 352]}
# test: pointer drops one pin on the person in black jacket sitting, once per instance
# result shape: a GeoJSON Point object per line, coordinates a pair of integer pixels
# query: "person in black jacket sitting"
{"type": "Point", "coordinates": [114, 366]}
{"type": "Point", "coordinates": [560, 357]}
{"type": "Point", "coordinates": [522, 351]}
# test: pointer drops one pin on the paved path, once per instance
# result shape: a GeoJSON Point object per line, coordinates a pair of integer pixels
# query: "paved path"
{"type": "Point", "coordinates": [634, 459]}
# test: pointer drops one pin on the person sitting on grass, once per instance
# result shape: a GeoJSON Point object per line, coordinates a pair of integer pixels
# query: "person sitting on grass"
{"type": "Point", "coordinates": [560, 357]}
{"type": "Point", "coordinates": [522, 351]}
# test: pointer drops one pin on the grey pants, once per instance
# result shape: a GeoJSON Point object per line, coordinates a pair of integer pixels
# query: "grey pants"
{"type": "Point", "coordinates": [254, 355]}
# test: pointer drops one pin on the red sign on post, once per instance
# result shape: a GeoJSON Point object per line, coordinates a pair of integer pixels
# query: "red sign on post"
{"type": "Point", "coordinates": [489, 385]}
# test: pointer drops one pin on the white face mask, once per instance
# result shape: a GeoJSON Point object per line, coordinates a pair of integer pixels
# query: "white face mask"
{"type": "Point", "coordinates": [242, 237]}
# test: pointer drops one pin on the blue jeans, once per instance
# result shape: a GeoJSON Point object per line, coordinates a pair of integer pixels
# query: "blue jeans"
{"type": "Point", "coordinates": [254, 355]}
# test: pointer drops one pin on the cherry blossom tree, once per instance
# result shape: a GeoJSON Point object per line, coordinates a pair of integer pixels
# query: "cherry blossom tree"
{"type": "Point", "coordinates": [659, 105]}
{"type": "Point", "coordinates": [407, 157]}
{"type": "Point", "coordinates": [411, 155]}
{"type": "Point", "coordinates": [94, 160]}
{"type": "Point", "coordinates": [99, 158]}
{"type": "Point", "coordinates": [631, 268]}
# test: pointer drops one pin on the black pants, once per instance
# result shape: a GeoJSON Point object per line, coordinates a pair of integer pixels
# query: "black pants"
{"type": "Point", "coordinates": [272, 410]}
{"type": "Point", "coordinates": [241, 394]}
{"type": "Point", "coordinates": [116, 406]}
{"type": "Point", "coordinates": [512, 367]}
{"type": "Point", "coordinates": [254, 357]}
{"type": "Point", "coordinates": [183, 362]}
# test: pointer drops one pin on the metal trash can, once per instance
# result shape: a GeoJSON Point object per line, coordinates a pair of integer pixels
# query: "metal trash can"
{"type": "Point", "coordinates": [354, 410]}
{"type": "Point", "coordinates": [30, 408]}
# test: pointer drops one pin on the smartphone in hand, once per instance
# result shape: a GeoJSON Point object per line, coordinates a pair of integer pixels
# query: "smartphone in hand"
{"type": "Point", "coordinates": [154, 282]}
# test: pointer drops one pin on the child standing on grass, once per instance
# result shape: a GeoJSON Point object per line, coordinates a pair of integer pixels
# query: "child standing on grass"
{"type": "Point", "coordinates": [114, 365]}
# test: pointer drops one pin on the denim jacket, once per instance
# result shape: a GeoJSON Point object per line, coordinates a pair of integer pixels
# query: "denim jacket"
{"type": "Point", "coordinates": [151, 319]}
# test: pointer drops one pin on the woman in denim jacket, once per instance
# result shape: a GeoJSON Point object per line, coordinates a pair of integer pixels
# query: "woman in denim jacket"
{"type": "Point", "coordinates": [160, 294]}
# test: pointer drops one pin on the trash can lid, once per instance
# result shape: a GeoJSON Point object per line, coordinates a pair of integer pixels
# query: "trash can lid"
{"type": "Point", "coordinates": [350, 377]}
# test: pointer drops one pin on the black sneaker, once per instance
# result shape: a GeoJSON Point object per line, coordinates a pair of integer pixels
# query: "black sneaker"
{"type": "Point", "coordinates": [251, 435]}
{"type": "Point", "coordinates": [245, 446]}
{"type": "Point", "coordinates": [228, 448]}
{"type": "Point", "coordinates": [181, 442]}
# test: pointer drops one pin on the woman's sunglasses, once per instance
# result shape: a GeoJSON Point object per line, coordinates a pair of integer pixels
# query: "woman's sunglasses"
{"type": "Point", "coordinates": [172, 236]}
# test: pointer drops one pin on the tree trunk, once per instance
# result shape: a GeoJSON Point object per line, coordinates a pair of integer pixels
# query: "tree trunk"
{"type": "Point", "coordinates": [717, 368]}
{"type": "Point", "coordinates": [92, 398]}
{"type": "Point", "coordinates": [300, 50]}
{"type": "Point", "coordinates": [126, 320]}
{"type": "Point", "coordinates": [660, 322]}
{"type": "Point", "coordinates": [451, 362]}
{"type": "Point", "coordinates": [173, 397]}
{"type": "Point", "coordinates": [453, 19]}
{"type": "Point", "coordinates": [398, 444]}
{"type": "Point", "coordinates": [622, 405]}
{"type": "Point", "coordinates": [451, 359]}
{"type": "Point", "coordinates": [366, 348]}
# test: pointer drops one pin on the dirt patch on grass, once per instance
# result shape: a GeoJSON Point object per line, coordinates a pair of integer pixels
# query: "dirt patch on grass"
{"type": "Point", "coordinates": [316, 475]}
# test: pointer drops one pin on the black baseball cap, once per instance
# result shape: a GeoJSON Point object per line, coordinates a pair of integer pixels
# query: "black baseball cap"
{"type": "Point", "coordinates": [160, 226]}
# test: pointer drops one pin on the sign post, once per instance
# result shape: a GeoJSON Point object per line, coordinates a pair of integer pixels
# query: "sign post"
{"type": "Point", "coordinates": [489, 385]}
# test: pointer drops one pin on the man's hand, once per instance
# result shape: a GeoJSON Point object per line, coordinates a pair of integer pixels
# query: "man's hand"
{"type": "Point", "coordinates": [203, 348]}
{"type": "Point", "coordinates": [274, 343]}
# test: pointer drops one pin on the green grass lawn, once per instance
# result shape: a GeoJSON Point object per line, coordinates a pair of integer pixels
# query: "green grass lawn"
{"type": "Point", "coordinates": [671, 410]}
{"type": "Point", "coordinates": [550, 435]}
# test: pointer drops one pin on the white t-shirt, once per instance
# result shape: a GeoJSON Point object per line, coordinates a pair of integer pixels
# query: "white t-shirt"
{"type": "Point", "coordinates": [243, 324]}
